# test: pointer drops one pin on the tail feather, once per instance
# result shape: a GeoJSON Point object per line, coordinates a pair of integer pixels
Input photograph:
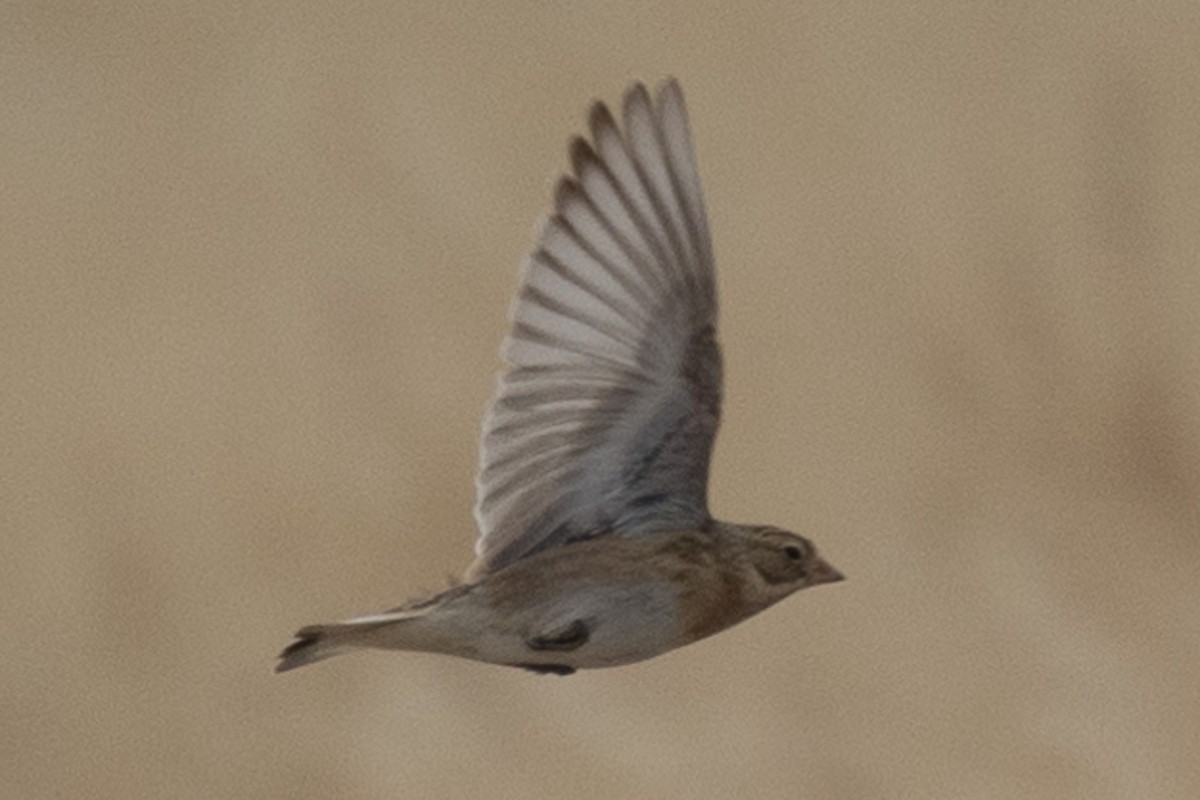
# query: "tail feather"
{"type": "Point", "coordinates": [318, 642]}
{"type": "Point", "coordinates": [313, 643]}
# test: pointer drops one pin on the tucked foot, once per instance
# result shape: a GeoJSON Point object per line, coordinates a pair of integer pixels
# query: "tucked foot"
{"type": "Point", "coordinates": [569, 637]}
{"type": "Point", "coordinates": [548, 669]}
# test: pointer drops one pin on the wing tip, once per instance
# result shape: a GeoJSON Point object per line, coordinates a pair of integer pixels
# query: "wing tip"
{"type": "Point", "coordinates": [635, 100]}
{"type": "Point", "coordinates": [601, 123]}
{"type": "Point", "coordinates": [566, 192]}
{"type": "Point", "coordinates": [669, 88]}
{"type": "Point", "coordinates": [582, 155]}
{"type": "Point", "coordinates": [636, 104]}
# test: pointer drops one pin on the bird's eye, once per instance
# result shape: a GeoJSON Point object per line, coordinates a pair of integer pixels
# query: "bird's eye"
{"type": "Point", "coordinates": [793, 552]}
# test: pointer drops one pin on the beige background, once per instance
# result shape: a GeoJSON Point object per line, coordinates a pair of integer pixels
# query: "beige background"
{"type": "Point", "coordinates": [256, 262]}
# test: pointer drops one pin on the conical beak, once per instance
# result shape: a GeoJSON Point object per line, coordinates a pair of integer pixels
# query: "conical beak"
{"type": "Point", "coordinates": [824, 572]}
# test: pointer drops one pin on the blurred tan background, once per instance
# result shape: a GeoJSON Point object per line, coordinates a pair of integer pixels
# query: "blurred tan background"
{"type": "Point", "coordinates": [256, 263]}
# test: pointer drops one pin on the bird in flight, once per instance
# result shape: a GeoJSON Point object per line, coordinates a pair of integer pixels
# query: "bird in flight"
{"type": "Point", "coordinates": [595, 545]}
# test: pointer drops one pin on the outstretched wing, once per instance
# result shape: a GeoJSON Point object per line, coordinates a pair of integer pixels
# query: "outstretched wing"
{"type": "Point", "coordinates": [605, 420]}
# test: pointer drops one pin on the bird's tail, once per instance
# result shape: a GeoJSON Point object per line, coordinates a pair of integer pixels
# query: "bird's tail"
{"type": "Point", "coordinates": [318, 642]}
{"type": "Point", "coordinates": [397, 629]}
{"type": "Point", "coordinates": [313, 643]}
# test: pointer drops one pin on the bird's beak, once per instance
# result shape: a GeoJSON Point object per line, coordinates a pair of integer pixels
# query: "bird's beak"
{"type": "Point", "coordinates": [824, 572]}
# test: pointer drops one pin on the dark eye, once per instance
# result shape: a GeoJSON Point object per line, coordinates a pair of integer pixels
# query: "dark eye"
{"type": "Point", "coordinates": [793, 552]}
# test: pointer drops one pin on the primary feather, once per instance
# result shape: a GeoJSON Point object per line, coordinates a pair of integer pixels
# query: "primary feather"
{"type": "Point", "coordinates": [604, 422]}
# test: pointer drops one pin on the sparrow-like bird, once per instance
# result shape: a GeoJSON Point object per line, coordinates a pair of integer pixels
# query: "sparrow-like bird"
{"type": "Point", "coordinates": [595, 544]}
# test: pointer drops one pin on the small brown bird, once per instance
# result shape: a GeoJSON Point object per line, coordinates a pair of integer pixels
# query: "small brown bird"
{"type": "Point", "coordinates": [595, 544]}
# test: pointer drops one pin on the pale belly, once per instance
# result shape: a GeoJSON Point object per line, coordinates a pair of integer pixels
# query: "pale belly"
{"type": "Point", "coordinates": [578, 627]}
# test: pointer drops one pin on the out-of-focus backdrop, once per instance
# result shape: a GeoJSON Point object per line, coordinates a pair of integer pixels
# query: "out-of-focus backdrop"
{"type": "Point", "coordinates": [256, 262]}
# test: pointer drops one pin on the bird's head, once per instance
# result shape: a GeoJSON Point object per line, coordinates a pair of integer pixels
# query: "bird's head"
{"type": "Point", "coordinates": [786, 562]}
